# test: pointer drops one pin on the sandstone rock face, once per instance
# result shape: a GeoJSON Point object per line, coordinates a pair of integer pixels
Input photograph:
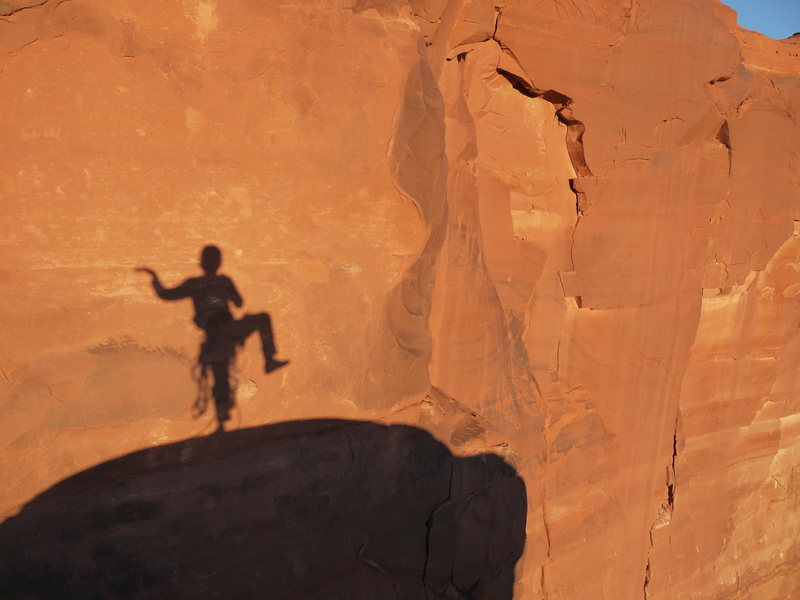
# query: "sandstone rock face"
{"type": "Point", "coordinates": [565, 233]}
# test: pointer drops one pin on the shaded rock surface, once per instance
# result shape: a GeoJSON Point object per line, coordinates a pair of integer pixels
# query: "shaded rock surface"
{"type": "Point", "coordinates": [307, 509]}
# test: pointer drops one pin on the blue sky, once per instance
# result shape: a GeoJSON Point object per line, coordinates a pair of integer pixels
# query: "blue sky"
{"type": "Point", "coordinates": [776, 18]}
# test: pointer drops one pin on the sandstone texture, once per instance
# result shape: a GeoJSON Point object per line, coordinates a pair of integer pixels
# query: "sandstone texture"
{"type": "Point", "coordinates": [559, 236]}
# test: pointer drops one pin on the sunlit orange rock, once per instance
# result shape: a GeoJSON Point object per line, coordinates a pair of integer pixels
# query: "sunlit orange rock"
{"type": "Point", "coordinates": [565, 233]}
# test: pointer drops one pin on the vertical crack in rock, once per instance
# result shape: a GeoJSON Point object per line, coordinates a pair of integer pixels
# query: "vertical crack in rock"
{"type": "Point", "coordinates": [429, 530]}
{"type": "Point", "coordinates": [560, 103]}
{"type": "Point", "coordinates": [671, 472]}
{"type": "Point", "coordinates": [545, 523]}
{"type": "Point", "coordinates": [573, 139]}
{"type": "Point", "coordinates": [575, 129]}
{"type": "Point", "coordinates": [647, 572]}
{"type": "Point", "coordinates": [580, 200]}
{"type": "Point", "coordinates": [667, 507]}
{"type": "Point", "coordinates": [350, 448]}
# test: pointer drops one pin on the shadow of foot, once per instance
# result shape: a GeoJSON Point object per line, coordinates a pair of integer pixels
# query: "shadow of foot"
{"type": "Point", "coordinates": [274, 365]}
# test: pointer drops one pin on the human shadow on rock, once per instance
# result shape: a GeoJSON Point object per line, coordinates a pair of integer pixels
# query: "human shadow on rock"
{"type": "Point", "coordinates": [212, 294]}
{"type": "Point", "coordinates": [322, 509]}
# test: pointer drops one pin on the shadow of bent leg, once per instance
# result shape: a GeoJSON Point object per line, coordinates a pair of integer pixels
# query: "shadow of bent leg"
{"type": "Point", "coordinates": [262, 323]}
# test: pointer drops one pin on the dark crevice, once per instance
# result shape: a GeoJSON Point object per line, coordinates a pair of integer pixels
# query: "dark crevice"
{"type": "Point", "coordinates": [719, 80]}
{"type": "Point", "coordinates": [519, 84]}
{"type": "Point", "coordinates": [671, 494]}
{"type": "Point", "coordinates": [671, 480]}
{"type": "Point", "coordinates": [647, 567]}
{"type": "Point", "coordinates": [666, 509]}
{"type": "Point", "coordinates": [429, 529]}
{"type": "Point", "coordinates": [724, 137]}
{"type": "Point", "coordinates": [561, 102]}
{"type": "Point", "coordinates": [557, 99]}
{"type": "Point", "coordinates": [575, 130]}
{"type": "Point", "coordinates": [581, 204]}
{"type": "Point", "coordinates": [646, 578]}
{"type": "Point", "coordinates": [499, 11]}
{"type": "Point", "coordinates": [7, 10]}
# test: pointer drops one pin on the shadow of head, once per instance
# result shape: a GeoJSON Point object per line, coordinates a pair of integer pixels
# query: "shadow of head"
{"type": "Point", "coordinates": [305, 509]}
{"type": "Point", "coordinates": [210, 259]}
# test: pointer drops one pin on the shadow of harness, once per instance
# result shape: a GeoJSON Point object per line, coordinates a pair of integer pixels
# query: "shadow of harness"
{"type": "Point", "coordinates": [217, 322]}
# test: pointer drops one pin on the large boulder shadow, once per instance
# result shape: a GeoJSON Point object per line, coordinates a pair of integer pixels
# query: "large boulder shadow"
{"type": "Point", "coordinates": [326, 509]}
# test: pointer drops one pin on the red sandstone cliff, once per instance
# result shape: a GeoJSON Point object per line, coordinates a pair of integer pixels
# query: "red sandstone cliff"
{"type": "Point", "coordinates": [579, 220]}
